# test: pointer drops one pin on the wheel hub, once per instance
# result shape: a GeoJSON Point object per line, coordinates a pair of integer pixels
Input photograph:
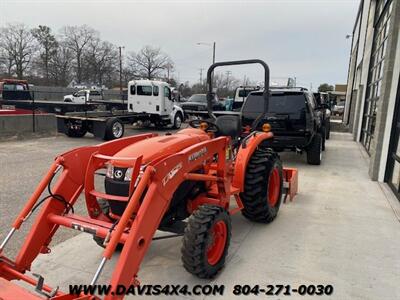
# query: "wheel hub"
{"type": "Point", "coordinates": [274, 187]}
{"type": "Point", "coordinates": [117, 129]}
{"type": "Point", "coordinates": [216, 243]}
{"type": "Point", "coordinates": [178, 122]}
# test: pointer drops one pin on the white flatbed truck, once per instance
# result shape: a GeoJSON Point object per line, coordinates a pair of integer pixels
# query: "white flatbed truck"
{"type": "Point", "coordinates": [149, 101]}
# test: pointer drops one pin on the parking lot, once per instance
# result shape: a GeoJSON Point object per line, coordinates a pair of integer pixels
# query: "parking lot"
{"type": "Point", "coordinates": [23, 164]}
{"type": "Point", "coordinates": [342, 229]}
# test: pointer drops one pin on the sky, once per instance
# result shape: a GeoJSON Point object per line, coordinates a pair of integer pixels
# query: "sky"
{"type": "Point", "coordinates": [305, 39]}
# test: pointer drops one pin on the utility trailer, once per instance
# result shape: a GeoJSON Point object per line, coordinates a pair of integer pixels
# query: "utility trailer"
{"type": "Point", "coordinates": [149, 101]}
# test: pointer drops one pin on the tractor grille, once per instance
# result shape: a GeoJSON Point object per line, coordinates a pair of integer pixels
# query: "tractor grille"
{"type": "Point", "coordinates": [117, 188]}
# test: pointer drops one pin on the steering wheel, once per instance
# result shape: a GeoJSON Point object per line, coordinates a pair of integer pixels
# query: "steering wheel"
{"type": "Point", "coordinates": [211, 126]}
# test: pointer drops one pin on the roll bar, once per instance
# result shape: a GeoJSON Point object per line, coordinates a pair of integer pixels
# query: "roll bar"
{"type": "Point", "coordinates": [232, 63]}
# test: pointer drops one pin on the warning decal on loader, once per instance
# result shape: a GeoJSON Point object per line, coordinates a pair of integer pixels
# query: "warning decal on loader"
{"type": "Point", "coordinates": [171, 174]}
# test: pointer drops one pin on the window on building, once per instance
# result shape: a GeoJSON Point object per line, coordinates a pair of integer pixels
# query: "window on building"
{"type": "Point", "coordinates": [375, 75]}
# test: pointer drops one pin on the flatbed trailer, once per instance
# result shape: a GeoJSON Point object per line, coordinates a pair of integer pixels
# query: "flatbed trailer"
{"type": "Point", "coordinates": [107, 125]}
{"type": "Point", "coordinates": [60, 107]}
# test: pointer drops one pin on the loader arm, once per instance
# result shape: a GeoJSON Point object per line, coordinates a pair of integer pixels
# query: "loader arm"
{"type": "Point", "coordinates": [142, 217]}
{"type": "Point", "coordinates": [69, 186]}
{"type": "Point", "coordinates": [163, 178]}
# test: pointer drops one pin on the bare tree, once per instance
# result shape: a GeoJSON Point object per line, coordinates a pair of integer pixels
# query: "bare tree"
{"type": "Point", "coordinates": [102, 59]}
{"type": "Point", "coordinates": [150, 62]}
{"type": "Point", "coordinates": [48, 47]}
{"type": "Point", "coordinates": [77, 39]}
{"type": "Point", "coordinates": [60, 65]}
{"type": "Point", "coordinates": [17, 42]}
{"type": "Point", "coordinates": [6, 62]}
{"type": "Point", "coordinates": [130, 69]}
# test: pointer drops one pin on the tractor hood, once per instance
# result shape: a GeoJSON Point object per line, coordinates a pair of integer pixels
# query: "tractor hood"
{"type": "Point", "coordinates": [159, 146]}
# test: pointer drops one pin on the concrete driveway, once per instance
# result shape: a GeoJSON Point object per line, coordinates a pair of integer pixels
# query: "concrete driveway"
{"type": "Point", "coordinates": [342, 229]}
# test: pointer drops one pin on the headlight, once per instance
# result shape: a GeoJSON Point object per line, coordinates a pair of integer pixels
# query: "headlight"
{"type": "Point", "coordinates": [128, 174]}
{"type": "Point", "coordinates": [110, 171]}
{"type": "Point", "coordinates": [117, 173]}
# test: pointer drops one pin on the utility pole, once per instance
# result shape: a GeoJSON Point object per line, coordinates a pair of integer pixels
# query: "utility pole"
{"type": "Point", "coordinates": [213, 46]}
{"type": "Point", "coordinates": [201, 75]}
{"type": "Point", "coordinates": [120, 71]}
{"type": "Point", "coordinates": [214, 53]}
{"type": "Point", "coordinates": [227, 79]}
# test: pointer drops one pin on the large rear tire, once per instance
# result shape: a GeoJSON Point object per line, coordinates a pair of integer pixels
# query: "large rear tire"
{"type": "Point", "coordinates": [263, 186]}
{"type": "Point", "coordinates": [206, 241]}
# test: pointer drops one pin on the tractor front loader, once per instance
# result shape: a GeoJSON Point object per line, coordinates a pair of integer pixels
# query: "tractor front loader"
{"type": "Point", "coordinates": [181, 183]}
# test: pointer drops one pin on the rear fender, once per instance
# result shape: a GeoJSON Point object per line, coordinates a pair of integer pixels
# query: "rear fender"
{"type": "Point", "coordinates": [243, 157]}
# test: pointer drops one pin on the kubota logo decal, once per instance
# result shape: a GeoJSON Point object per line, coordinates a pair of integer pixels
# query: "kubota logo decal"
{"type": "Point", "coordinates": [198, 154]}
{"type": "Point", "coordinates": [118, 174]}
{"type": "Point", "coordinates": [171, 174]}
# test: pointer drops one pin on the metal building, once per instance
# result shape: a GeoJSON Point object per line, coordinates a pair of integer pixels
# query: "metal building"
{"type": "Point", "coordinates": [372, 110]}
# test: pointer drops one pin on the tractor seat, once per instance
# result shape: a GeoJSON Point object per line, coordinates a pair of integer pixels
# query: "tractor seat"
{"type": "Point", "coordinates": [229, 125]}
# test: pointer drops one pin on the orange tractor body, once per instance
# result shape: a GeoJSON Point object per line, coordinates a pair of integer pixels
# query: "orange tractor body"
{"type": "Point", "coordinates": [174, 183]}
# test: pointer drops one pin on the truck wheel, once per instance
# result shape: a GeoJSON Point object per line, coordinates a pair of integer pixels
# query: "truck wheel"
{"type": "Point", "coordinates": [263, 186]}
{"type": "Point", "coordinates": [323, 134]}
{"type": "Point", "coordinates": [314, 151]}
{"type": "Point", "coordinates": [178, 120]}
{"type": "Point", "coordinates": [76, 131]}
{"type": "Point", "coordinates": [328, 130]}
{"type": "Point", "coordinates": [114, 129]}
{"type": "Point", "coordinates": [206, 241]}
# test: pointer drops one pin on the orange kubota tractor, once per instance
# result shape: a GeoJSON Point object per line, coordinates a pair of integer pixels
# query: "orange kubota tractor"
{"type": "Point", "coordinates": [181, 183]}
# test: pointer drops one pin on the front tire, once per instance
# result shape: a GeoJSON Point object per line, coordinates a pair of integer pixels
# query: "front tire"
{"type": "Point", "coordinates": [105, 208]}
{"type": "Point", "coordinates": [263, 186]}
{"type": "Point", "coordinates": [206, 241]}
{"type": "Point", "coordinates": [178, 119]}
{"type": "Point", "coordinates": [314, 151]}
